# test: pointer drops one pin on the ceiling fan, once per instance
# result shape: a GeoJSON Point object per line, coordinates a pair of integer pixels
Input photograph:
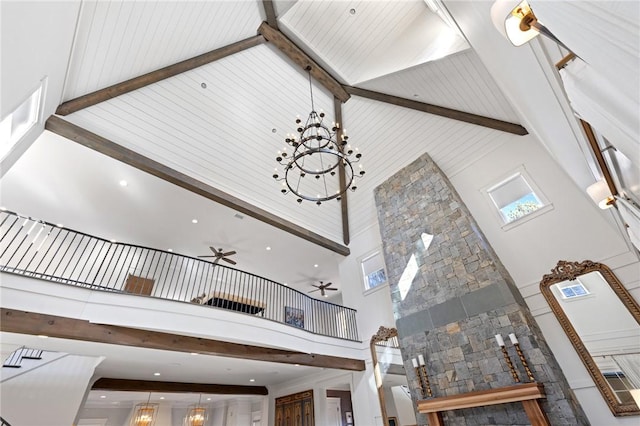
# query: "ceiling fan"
{"type": "Point", "coordinates": [220, 254]}
{"type": "Point", "coordinates": [322, 287]}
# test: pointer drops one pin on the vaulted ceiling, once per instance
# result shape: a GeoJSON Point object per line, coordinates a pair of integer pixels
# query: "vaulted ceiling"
{"type": "Point", "coordinates": [221, 124]}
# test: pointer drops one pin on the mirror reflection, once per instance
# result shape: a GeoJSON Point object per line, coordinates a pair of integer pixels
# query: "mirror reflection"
{"type": "Point", "coordinates": [396, 404]}
{"type": "Point", "coordinates": [602, 321]}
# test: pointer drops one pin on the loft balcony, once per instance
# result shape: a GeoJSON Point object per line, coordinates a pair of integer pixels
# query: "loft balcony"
{"type": "Point", "coordinates": [36, 249]}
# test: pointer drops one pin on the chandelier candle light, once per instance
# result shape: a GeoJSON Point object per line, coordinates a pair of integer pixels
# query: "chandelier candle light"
{"type": "Point", "coordinates": [320, 152]}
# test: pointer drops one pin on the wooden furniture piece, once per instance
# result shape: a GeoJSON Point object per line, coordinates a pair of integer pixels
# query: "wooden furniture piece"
{"type": "Point", "coordinates": [529, 394]}
{"type": "Point", "coordinates": [295, 410]}
{"type": "Point", "coordinates": [138, 285]}
{"type": "Point", "coordinates": [231, 302]}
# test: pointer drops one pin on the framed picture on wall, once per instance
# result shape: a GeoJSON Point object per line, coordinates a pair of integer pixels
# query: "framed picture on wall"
{"type": "Point", "coordinates": [393, 421]}
{"type": "Point", "coordinates": [294, 316]}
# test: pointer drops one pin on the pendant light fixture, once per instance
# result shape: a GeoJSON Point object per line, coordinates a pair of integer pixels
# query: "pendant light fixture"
{"type": "Point", "coordinates": [197, 415]}
{"type": "Point", "coordinates": [144, 414]}
{"type": "Point", "coordinates": [321, 154]}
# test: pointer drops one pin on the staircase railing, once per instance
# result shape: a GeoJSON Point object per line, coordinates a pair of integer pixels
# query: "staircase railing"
{"type": "Point", "coordinates": [42, 250]}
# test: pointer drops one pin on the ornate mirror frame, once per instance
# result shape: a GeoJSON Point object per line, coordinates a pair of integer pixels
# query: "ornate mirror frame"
{"type": "Point", "coordinates": [382, 335]}
{"type": "Point", "coordinates": [565, 270]}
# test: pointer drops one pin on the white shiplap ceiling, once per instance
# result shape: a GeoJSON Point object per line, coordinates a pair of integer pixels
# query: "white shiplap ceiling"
{"type": "Point", "coordinates": [222, 134]}
{"type": "Point", "coordinates": [120, 39]}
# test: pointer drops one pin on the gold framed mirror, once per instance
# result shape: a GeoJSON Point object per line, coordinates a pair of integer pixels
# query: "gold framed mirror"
{"type": "Point", "coordinates": [602, 321]}
{"type": "Point", "coordinates": [390, 378]}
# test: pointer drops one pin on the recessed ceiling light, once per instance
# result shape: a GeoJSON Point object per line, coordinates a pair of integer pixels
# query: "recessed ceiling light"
{"type": "Point", "coordinates": [286, 284]}
{"type": "Point", "coordinates": [156, 374]}
{"type": "Point", "coordinates": [315, 266]}
{"type": "Point", "coordinates": [352, 11]}
{"type": "Point", "coordinates": [252, 380]}
{"type": "Point", "coordinates": [194, 220]}
{"type": "Point", "coordinates": [170, 250]}
{"type": "Point", "coordinates": [113, 241]}
{"type": "Point", "coordinates": [238, 216]}
{"type": "Point", "coordinates": [203, 85]}
{"type": "Point", "coordinates": [103, 396]}
{"type": "Point", "coordinates": [268, 248]}
{"type": "Point", "coordinates": [162, 397]}
{"type": "Point", "coordinates": [59, 225]}
{"type": "Point", "coordinates": [194, 353]}
{"type": "Point", "coordinates": [297, 365]}
{"type": "Point", "coordinates": [274, 130]}
{"type": "Point", "coordinates": [208, 399]}
{"type": "Point", "coordinates": [42, 336]}
{"type": "Point", "coordinates": [123, 183]}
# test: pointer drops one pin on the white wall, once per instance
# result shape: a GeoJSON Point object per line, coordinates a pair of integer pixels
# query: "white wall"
{"type": "Point", "coordinates": [574, 230]}
{"type": "Point", "coordinates": [36, 39]}
{"type": "Point", "coordinates": [50, 395]}
{"type": "Point", "coordinates": [116, 416]}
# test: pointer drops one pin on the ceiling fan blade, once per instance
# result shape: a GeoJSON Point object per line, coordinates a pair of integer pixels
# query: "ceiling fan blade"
{"type": "Point", "coordinates": [206, 256]}
{"type": "Point", "coordinates": [213, 249]}
{"type": "Point", "coordinates": [233, 262]}
{"type": "Point", "coordinates": [215, 262]}
{"type": "Point", "coordinates": [332, 289]}
{"type": "Point", "coordinates": [229, 253]}
{"type": "Point", "coordinates": [314, 290]}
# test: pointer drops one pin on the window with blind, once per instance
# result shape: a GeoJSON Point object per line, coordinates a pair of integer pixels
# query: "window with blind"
{"type": "Point", "coordinates": [373, 271]}
{"type": "Point", "coordinates": [515, 197]}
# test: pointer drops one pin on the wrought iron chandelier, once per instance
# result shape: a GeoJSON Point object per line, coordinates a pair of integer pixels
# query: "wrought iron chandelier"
{"type": "Point", "coordinates": [313, 172]}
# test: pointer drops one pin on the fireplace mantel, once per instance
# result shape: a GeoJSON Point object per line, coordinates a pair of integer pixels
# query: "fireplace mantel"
{"type": "Point", "coordinates": [527, 393]}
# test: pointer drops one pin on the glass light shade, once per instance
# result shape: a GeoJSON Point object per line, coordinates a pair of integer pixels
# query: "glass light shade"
{"type": "Point", "coordinates": [507, 16]}
{"type": "Point", "coordinates": [196, 416]}
{"type": "Point", "coordinates": [600, 194]}
{"type": "Point", "coordinates": [145, 415]}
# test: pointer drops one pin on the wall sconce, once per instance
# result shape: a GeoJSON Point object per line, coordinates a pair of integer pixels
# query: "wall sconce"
{"type": "Point", "coordinates": [515, 20]}
{"type": "Point", "coordinates": [601, 195]}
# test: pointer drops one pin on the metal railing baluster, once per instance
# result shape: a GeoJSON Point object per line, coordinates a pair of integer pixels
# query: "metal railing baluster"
{"type": "Point", "coordinates": [106, 266]}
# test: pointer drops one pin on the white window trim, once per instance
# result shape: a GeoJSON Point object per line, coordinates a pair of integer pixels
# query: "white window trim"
{"type": "Point", "coordinates": [368, 255]}
{"type": "Point", "coordinates": [547, 206]}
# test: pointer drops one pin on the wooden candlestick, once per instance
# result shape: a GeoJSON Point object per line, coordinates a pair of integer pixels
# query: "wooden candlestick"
{"type": "Point", "coordinates": [514, 373]}
{"type": "Point", "coordinates": [524, 362]}
{"type": "Point", "coordinates": [425, 378]}
{"type": "Point", "coordinates": [422, 386]}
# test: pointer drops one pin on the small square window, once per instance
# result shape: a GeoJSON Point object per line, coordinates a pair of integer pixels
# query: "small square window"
{"type": "Point", "coordinates": [373, 271]}
{"type": "Point", "coordinates": [574, 289]}
{"type": "Point", "coordinates": [515, 197]}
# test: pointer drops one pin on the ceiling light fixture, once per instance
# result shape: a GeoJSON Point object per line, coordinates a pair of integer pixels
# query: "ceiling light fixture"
{"type": "Point", "coordinates": [197, 414]}
{"type": "Point", "coordinates": [145, 414]}
{"type": "Point", "coordinates": [194, 220]}
{"type": "Point", "coordinates": [123, 183]}
{"type": "Point", "coordinates": [156, 374]}
{"type": "Point", "coordinates": [268, 248]}
{"type": "Point", "coordinates": [311, 172]}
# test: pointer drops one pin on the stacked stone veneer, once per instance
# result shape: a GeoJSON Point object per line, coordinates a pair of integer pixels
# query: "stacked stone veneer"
{"type": "Point", "coordinates": [460, 297]}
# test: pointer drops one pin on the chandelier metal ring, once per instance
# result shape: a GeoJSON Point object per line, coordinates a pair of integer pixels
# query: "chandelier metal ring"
{"type": "Point", "coordinates": [319, 154]}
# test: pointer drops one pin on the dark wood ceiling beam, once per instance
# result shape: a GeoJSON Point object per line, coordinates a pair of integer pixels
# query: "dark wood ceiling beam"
{"type": "Point", "coordinates": [32, 323]}
{"type": "Point", "coordinates": [296, 54]}
{"type": "Point", "coordinates": [337, 106]}
{"type": "Point", "coordinates": [467, 117]}
{"type": "Point", "coordinates": [111, 149]}
{"type": "Point", "coordinates": [270, 12]}
{"type": "Point", "coordinates": [156, 76]}
{"type": "Point", "coordinates": [125, 385]}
